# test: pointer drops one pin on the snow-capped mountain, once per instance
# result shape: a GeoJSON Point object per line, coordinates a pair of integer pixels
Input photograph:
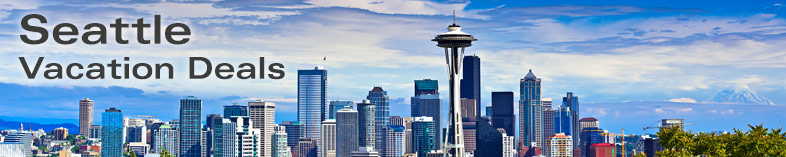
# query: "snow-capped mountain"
{"type": "Point", "coordinates": [739, 95]}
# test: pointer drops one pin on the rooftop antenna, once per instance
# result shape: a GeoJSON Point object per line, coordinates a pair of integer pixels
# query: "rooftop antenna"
{"type": "Point", "coordinates": [454, 17]}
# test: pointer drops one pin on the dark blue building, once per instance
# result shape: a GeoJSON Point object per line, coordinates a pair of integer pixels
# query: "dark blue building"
{"type": "Point", "coordinates": [235, 110]}
{"type": "Point", "coordinates": [572, 102]}
{"type": "Point", "coordinates": [470, 81]}
{"type": "Point", "coordinates": [502, 110]}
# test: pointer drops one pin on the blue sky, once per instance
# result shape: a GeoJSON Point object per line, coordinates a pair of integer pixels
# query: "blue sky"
{"type": "Point", "coordinates": [619, 57]}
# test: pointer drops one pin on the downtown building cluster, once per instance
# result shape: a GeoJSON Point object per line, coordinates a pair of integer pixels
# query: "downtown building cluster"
{"type": "Point", "coordinates": [343, 128]}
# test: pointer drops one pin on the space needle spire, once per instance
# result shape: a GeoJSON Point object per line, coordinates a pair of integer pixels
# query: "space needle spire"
{"type": "Point", "coordinates": [454, 41]}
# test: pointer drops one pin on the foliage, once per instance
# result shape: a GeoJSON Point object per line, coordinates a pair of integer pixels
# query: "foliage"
{"type": "Point", "coordinates": [75, 150]}
{"type": "Point", "coordinates": [758, 141]}
{"type": "Point", "coordinates": [164, 153]}
{"type": "Point", "coordinates": [641, 154]}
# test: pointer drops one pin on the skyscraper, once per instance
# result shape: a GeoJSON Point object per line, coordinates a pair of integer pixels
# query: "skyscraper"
{"type": "Point", "coordinates": [422, 87]}
{"type": "Point", "coordinates": [468, 109]}
{"type": "Point", "coordinates": [215, 142]}
{"type": "Point", "coordinates": [531, 111]}
{"type": "Point", "coordinates": [470, 81]}
{"type": "Point", "coordinates": [563, 121]}
{"type": "Point", "coordinates": [489, 139]}
{"type": "Point", "coordinates": [235, 110]}
{"type": "Point", "coordinates": [190, 126]}
{"type": "Point", "coordinates": [229, 141]}
{"type": "Point", "coordinates": [508, 144]}
{"type": "Point", "coordinates": [294, 131]}
{"type": "Point", "coordinates": [469, 131]}
{"type": "Point", "coordinates": [336, 105]}
{"type": "Point", "coordinates": [572, 103]}
{"type": "Point", "coordinates": [431, 106]}
{"type": "Point", "coordinates": [502, 104]}
{"type": "Point", "coordinates": [394, 141]}
{"type": "Point", "coordinates": [164, 137]}
{"type": "Point", "coordinates": [112, 133]}
{"type": "Point", "coordinates": [489, 111]}
{"type": "Point", "coordinates": [95, 132]}
{"type": "Point", "coordinates": [263, 116]}
{"type": "Point", "coordinates": [423, 135]}
{"type": "Point", "coordinates": [279, 141]}
{"type": "Point", "coordinates": [396, 120]}
{"type": "Point", "coordinates": [247, 137]}
{"type": "Point", "coordinates": [20, 143]}
{"type": "Point", "coordinates": [366, 124]}
{"type": "Point", "coordinates": [308, 147]}
{"type": "Point", "coordinates": [311, 100]}
{"type": "Point", "coordinates": [589, 136]}
{"type": "Point", "coordinates": [85, 116]}
{"type": "Point", "coordinates": [347, 131]}
{"type": "Point", "coordinates": [548, 124]}
{"type": "Point", "coordinates": [327, 146]}
{"type": "Point", "coordinates": [379, 98]}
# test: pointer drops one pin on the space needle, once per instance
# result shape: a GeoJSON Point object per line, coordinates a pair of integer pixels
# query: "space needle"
{"type": "Point", "coordinates": [454, 41]}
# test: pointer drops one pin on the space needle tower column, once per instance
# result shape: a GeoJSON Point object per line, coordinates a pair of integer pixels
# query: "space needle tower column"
{"type": "Point", "coordinates": [454, 41]}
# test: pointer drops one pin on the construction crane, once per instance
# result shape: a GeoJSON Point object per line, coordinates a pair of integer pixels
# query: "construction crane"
{"type": "Point", "coordinates": [149, 118]}
{"type": "Point", "coordinates": [665, 123]}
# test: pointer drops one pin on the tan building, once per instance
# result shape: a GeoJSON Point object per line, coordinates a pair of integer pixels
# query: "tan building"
{"type": "Point", "coordinates": [60, 133]}
{"type": "Point", "coordinates": [561, 145]}
{"type": "Point", "coordinates": [262, 114]}
{"type": "Point", "coordinates": [85, 116]}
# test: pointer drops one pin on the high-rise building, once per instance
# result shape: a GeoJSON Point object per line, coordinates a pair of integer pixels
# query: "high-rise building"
{"type": "Point", "coordinates": [165, 138]}
{"type": "Point", "coordinates": [112, 133]}
{"type": "Point", "coordinates": [422, 87]}
{"type": "Point", "coordinates": [548, 123]}
{"type": "Point", "coordinates": [396, 120]}
{"type": "Point", "coordinates": [279, 141]}
{"type": "Point", "coordinates": [366, 124]}
{"type": "Point", "coordinates": [470, 81]}
{"type": "Point", "coordinates": [561, 145]}
{"type": "Point", "coordinates": [85, 116]}
{"type": "Point", "coordinates": [139, 148]}
{"type": "Point", "coordinates": [203, 141]}
{"type": "Point", "coordinates": [431, 106]}
{"type": "Point", "coordinates": [394, 141]}
{"type": "Point", "coordinates": [247, 137]}
{"type": "Point", "coordinates": [60, 133]}
{"type": "Point", "coordinates": [423, 135]}
{"type": "Point", "coordinates": [95, 132]}
{"type": "Point", "coordinates": [229, 138]}
{"type": "Point", "coordinates": [508, 144]}
{"type": "Point", "coordinates": [489, 140]}
{"type": "Point", "coordinates": [308, 147]}
{"type": "Point", "coordinates": [263, 115]}
{"type": "Point", "coordinates": [407, 122]}
{"type": "Point", "coordinates": [426, 86]}
{"type": "Point", "coordinates": [470, 132]}
{"type": "Point", "coordinates": [502, 104]}
{"type": "Point", "coordinates": [17, 143]}
{"type": "Point", "coordinates": [379, 98]}
{"type": "Point", "coordinates": [572, 103]}
{"type": "Point", "coordinates": [294, 131]}
{"type": "Point", "coordinates": [589, 136]}
{"type": "Point", "coordinates": [312, 107]}
{"type": "Point", "coordinates": [136, 133]}
{"type": "Point", "coordinates": [235, 110]}
{"type": "Point", "coordinates": [468, 108]}
{"type": "Point", "coordinates": [531, 111]}
{"type": "Point", "coordinates": [563, 121]}
{"type": "Point", "coordinates": [584, 123]}
{"type": "Point", "coordinates": [347, 131]}
{"type": "Point", "coordinates": [190, 126]}
{"type": "Point", "coordinates": [327, 146]}
{"type": "Point", "coordinates": [336, 105]}
{"type": "Point", "coordinates": [215, 142]}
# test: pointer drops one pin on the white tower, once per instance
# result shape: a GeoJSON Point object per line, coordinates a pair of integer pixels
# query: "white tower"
{"type": "Point", "coordinates": [454, 41]}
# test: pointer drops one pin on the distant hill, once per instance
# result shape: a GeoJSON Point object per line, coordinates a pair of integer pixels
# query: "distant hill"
{"type": "Point", "coordinates": [739, 95]}
{"type": "Point", "coordinates": [6, 125]}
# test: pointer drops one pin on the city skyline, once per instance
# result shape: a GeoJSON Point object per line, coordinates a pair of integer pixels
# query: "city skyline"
{"type": "Point", "coordinates": [608, 90]}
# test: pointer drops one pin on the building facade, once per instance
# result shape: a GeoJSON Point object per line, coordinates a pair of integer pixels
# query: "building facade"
{"type": "Point", "coordinates": [394, 141]}
{"type": "Point", "coordinates": [327, 146]}
{"type": "Point", "coordinates": [85, 116]}
{"type": "Point", "coordinates": [572, 103]}
{"type": "Point", "coordinates": [423, 135]}
{"type": "Point", "coordinates": [190, 126]}
{"type": "Point", "coordinates": [347, 130]}
{"type": "Point", "coordinates": [531, 111]}
{"type": "Point", "coordinates": [263, 116]}
{"type": "Point", "coordinates": [470, 81]}
{"type": "Point", "coordinates": [279, 142]}
{"type": "Point", "coordinates": [379, 98]}
{"type": "Point", "coordinates": [336, 105]}
{"type": "Point", "coordinates": [502, 112]}
{"type": "Point", "coordinates": [311, 100]}
{"type": "Point", "coordinates": [165, 138]}
{"type": "Point", "coordinates": [561, 145]}
{"type": "Point", "coordinates": [112, 133]}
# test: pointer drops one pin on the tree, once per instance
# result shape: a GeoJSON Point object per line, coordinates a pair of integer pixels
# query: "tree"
{"type": "Point", "coordinates": [758, 141]}
{"type": "Point", "coordinates": [164, 153]}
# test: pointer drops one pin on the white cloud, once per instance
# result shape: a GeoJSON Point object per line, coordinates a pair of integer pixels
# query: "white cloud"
{"type": "Point", "coordinates": [402, 7]}
{"type": "Point", "coordinates": [683, 100]}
